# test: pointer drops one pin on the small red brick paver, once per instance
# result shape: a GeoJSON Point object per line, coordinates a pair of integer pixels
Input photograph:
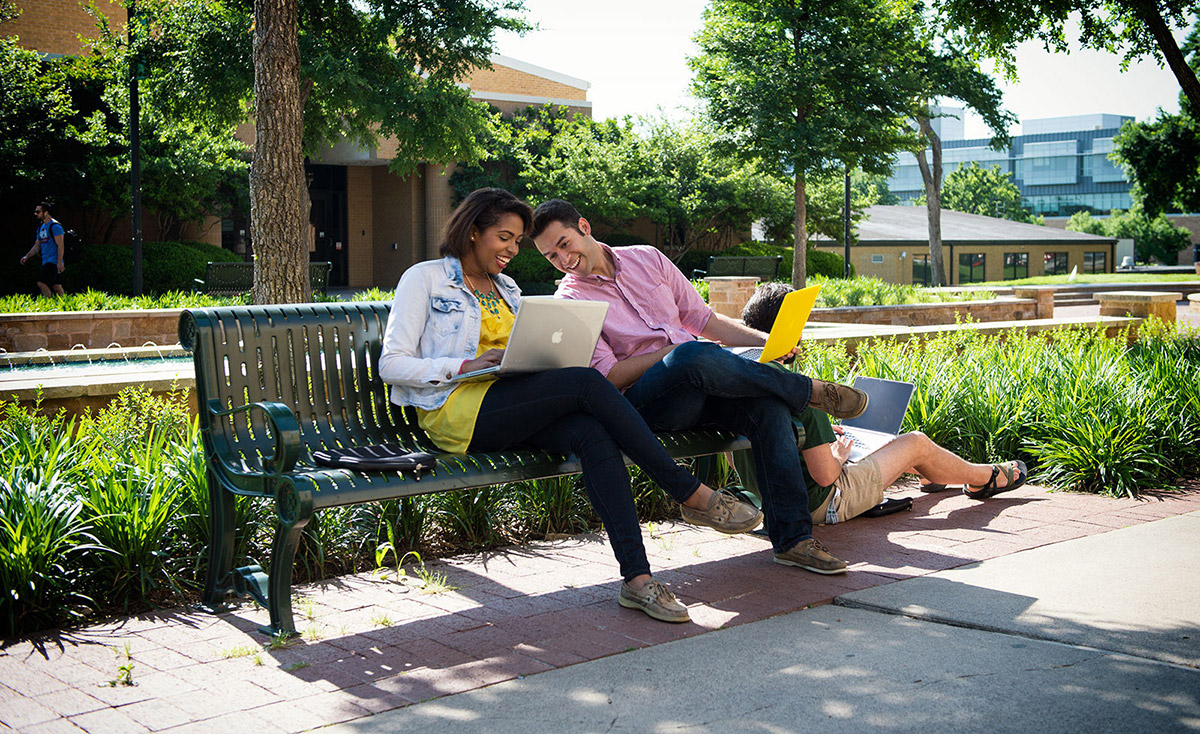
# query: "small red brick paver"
{"type": "Point", "coordinates": [373, 644]}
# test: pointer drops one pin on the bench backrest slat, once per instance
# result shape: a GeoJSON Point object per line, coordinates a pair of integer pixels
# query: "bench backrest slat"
{"type": "Point", "coordinates": [318, 359]}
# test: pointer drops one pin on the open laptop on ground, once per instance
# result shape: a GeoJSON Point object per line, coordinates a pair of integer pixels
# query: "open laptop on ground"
{"type": "Point", "coordinates": [881, 421]}
{"type": "Point", "coordinates": [549, 333]}
{"type": "Point", "coordinates": [788, 328]}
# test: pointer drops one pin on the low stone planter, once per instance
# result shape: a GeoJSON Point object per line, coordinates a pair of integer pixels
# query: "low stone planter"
{"type": "Point", "coordinates": [58, 330]}
{"type": "Point", "coordinates": [924, 314]}
{"type": "Point", "coordinates": [1138, 303]}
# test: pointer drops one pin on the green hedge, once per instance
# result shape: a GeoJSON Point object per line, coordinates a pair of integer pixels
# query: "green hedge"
{"type": "Point", "coordinates": [166, 266]}
{"type": "Point", "coordinates": [828, 264]}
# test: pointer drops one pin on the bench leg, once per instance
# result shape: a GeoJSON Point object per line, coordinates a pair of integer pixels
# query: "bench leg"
{"type": "Point", "coordinates": [221, 538]}
{"type": "Point", "coordinates": [279, 584]}
{"type": "Point", "coordinates": [295, 508]}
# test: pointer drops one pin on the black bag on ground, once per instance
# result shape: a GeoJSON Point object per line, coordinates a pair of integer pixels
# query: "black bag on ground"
{"type": "Point", "coordinates": [889, 506]}
{"type": "Point", "coordinates": [380, 457]}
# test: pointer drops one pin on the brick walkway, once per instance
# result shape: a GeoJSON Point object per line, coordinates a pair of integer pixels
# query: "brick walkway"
{"type": "Point", "coordinates": [370, 644]}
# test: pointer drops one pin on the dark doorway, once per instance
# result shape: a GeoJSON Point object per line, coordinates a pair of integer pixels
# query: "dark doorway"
{"type": "Point", "coordinates": [327, 191]}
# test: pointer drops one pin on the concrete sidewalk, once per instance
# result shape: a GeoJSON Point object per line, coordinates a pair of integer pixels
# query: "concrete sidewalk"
{"type": "Point", "coordinates": [1100, 633]}
{"type": "Point", "coordinates": [543, 618]}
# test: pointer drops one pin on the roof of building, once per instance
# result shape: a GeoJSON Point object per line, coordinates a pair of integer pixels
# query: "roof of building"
{"type": "Point", "coordinates": [904, 225]}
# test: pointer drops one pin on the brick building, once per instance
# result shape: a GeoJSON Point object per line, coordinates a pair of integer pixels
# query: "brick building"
{"type": "Point", "coordinates": [370, 223]}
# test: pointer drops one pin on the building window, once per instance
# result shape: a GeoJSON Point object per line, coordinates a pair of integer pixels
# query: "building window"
{"type": "Point", "coordinates": [1056, 263]}
{"type": "Point", "coordinates": [1095, 262]}
{"type": "Point", "coordinates": [877, 259]}
{"type": "Point", "coordinates": [922, 273]}
{"type": "Point", "coordinates": [1016, 265]}
{"type": "Point", "coordinates": [970, 267]}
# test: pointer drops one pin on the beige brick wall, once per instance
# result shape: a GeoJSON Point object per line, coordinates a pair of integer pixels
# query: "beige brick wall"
{"type": "Point", "coordinates": [360, 220]}
{"type": "Point", "coordinates": [503, 80]}
{"type": "Point", "coordinates": [53, 26]}
{"type": "Point", "coordinates": [399, 225]}
{"type": "Point", "coordinates": [895, 269]}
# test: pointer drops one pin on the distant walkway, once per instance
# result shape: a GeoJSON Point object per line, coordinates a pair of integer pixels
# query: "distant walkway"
{"type": "Point", "coordinates": [371, 645]}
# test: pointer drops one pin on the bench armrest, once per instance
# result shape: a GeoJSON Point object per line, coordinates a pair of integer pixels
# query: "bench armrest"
{"type": "Point", "coordinates": [284, 427]}
{"type": "Point", "coordinates": [698, 274]}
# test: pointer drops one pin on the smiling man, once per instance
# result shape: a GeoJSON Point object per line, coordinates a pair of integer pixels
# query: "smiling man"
{"type": "Point", "coordinates": [649, 349]}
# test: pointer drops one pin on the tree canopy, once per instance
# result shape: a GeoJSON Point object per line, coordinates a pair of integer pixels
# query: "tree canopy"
{"type": "Point", "coordinates": [808, 87]}
{"type": "Point", "coordinates": [619, 171]}
{"type": "Point", "coordinates": [64, 136]}
{"type": "Point", "coordinates": [310, 73]}
{"type": "Point", "coordinates": [1153, 236]}
{"type": "Point", "coordinates": [988, 191]}
{"type": "Point", "coordinates": [370, 69]}
{"type": "Point", "coordinates": [1132, 28]}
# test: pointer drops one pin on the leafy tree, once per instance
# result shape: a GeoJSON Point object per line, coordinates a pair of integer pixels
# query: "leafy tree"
{"type": "Point", "coordinates": [366, 70]}
{"type": "Point", "coordinates": [826, 195]}
{"type": "Point", "coordinates": [1153, 236]}
{"type": "Point", "coordinates": [64, 124]}
{"type": "Point", "coordinates": [808, 87]}
{"type": "Point", "coordinates": [1162, 156]}
{"type": "Point", "coordinates": [946, 71]}
{"type": "Point", "coordinates": [1133, 28]}
{"type": "Point", "coordinates": [619, 171]}
{"type": "Point", "coordinates": [988, 191]}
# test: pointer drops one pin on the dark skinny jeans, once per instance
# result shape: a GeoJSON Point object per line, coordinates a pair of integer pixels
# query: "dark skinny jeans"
{"type": "Point", "coordinates": [576, 410]}
{"type": "Point", "coordinates": [701, 384]}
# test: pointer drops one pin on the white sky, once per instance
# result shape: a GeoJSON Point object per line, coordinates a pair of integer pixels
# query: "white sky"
{"type": "Point", "coordinates": [634, 53]}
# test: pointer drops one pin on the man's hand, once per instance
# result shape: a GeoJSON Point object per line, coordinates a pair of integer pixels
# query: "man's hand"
{"type": "Point", "coordinates": [841, 449]}
{"type": "Point", "coordinates": [61, 267]}
{"type": "Point", "coordinates": [490, 358]}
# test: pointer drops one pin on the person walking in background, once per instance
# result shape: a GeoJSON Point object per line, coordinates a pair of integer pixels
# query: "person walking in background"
{"type": "Point", "coordinates": [50, 241]}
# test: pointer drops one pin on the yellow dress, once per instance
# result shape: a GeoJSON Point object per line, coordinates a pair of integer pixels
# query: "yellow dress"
{"type": "Point", "coordinates": [452, 425]}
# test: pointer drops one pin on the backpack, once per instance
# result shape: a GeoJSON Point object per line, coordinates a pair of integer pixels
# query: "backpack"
{"type": "Point", "coordinates": [72, 243]}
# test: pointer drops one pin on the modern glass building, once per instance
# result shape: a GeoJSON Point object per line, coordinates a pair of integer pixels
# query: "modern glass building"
{"type": "Point", "coordinates": [1060, 164]}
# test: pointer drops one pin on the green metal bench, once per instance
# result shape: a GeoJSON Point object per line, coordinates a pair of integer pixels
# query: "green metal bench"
{"type": "Point", "coordinates": [763, 267]}
{"type": "Point", "coordinates": [274, 384]}
{"type": "Point", "coordinates": [235, 278]}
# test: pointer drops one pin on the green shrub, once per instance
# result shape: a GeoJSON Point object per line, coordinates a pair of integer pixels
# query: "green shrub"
{"type": "Point", "coordinates": [533, 272]}
{"type": "Point", "coordinates": [91, 300]}
{"type": "Point", "coordinates": [166, 266]}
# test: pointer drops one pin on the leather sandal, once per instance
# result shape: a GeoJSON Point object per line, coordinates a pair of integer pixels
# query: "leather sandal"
{"type": "Point", "coordinates": [1015, 479]}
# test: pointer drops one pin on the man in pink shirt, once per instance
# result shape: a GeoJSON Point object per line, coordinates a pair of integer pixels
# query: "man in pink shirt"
{"type": "Point", "coordinates": [649, 349]}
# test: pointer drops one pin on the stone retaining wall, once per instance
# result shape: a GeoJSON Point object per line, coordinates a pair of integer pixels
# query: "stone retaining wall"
{"type": "Point", "coordinates": [56, 330]}
{"type": "Point", "coordinates": [923, 314]}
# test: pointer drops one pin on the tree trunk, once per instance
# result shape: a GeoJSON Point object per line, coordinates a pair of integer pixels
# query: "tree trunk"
{"type": "Point", "coordinates": [1170, 51]}
{"type": "Point", "coordinates": [278, 196]}
{"type": "Point", "coordinates": [800, 234]}
{"type": "Point", "coordinates": [932, 177]}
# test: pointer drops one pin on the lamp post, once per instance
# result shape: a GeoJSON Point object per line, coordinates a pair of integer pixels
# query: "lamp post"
{"type": "Point", "coordinates": [846, 226]}
{"type": "Point", "coordinates": [135, 160]}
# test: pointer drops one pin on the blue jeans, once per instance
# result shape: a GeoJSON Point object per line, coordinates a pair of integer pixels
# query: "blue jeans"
{"type": "Point", "coordinates": [576, 410]}
{"type": "Point", "coordinates": [701, 384]}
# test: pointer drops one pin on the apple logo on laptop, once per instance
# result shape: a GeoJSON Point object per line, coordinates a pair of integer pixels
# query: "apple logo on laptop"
{"type": "Point", "coordinates": [556, 337]}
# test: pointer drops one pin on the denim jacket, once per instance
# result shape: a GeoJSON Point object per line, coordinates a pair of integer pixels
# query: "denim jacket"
{"type": "Point", "coordinates": [432, 329]}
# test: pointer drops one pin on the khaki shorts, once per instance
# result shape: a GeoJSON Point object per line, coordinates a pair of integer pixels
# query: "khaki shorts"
{"type": "Point", "coordinates": [856, 490]}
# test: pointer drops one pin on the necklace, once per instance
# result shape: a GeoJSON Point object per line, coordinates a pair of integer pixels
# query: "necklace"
{"type": "Point", "coordinates": [489, 301]}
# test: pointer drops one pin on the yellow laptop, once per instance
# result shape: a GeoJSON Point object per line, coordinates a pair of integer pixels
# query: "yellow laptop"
{"type": "Point", "coordinates": [789, 326]}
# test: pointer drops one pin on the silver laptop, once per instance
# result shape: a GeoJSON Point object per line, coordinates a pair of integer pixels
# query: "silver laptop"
{"type": "Point", "coordinates": [549, 333]}
{"type": "Point", "coordinates": [881, 421]}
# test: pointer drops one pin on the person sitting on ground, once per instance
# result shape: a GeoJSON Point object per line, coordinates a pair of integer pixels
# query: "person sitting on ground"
{"type": "Point", "coordinates": [839, 490]}
{"type": "Point", "coordinates": [454, 315]}
{"type": "Point", "coordinates": [649, 349]}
